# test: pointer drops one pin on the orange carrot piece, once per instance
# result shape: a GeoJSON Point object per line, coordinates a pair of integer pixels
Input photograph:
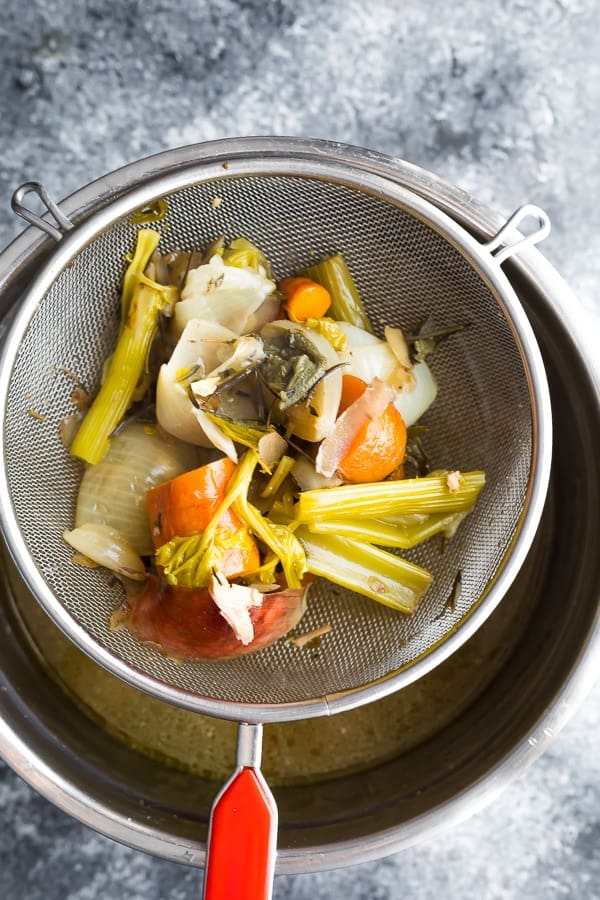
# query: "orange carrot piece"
{"type": "Point", "coordinates": [305, 299]}
{"type": "Point", "coordinates": [378, 447]}
{"type": "Point", "coordinates": [352, 388]}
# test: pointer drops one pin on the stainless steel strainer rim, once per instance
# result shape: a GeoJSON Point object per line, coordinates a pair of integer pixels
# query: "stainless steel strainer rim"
{"type": "Point", "coordinates": [255, 164]}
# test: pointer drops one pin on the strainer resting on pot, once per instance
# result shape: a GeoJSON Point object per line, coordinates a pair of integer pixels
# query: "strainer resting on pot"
{"type": "Point", "coordinates": [411, 263]}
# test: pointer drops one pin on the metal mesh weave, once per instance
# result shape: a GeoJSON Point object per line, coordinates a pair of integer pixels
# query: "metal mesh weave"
{"type": "Point", "coordinates": [405, 272]}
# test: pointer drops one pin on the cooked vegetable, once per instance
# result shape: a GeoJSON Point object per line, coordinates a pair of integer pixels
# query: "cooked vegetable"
{"type": "Point", "coordinates": [304, 298]}
{"type": "Point", "coordinates": [346, 304]}
{"type": "Point", "coordinates": [361, 567]}
{"type": "Point", "coordinates": [243, 254]}
{"type": "Point", "coordinates": [113, 492]}
{"type": "Point", "coordinates": [223, 293]}
{"type": "Point", "coordinates": [284, 467]}
{"type": "Point", "coordinates": [367, 357]}
{"type": "Point", "coordinates": [184, 507]}
{"type": "Point", "coordinates": [196, 352]}
{"type": "Point", "coordinates": [190, 561]}
{"type": "Point", "coordinates": [292, 364]}
{"type": "Point", "coordinates": [152, 213]}
{"type": "Point", "coordinates": [312, 420]}
{"type": "Point", "coordinates": [369, 438]}
{"type": "Point", "coordinates": [244, 355]}
{"type": "Point", "coordinates": [320, 399]}
{"type": "Point", "coordinates": [146, 244]}
{"type": "Point", "coordinates": [390, 498]}
{"type": "Point", "coordinates": [186, 504]}
{"type": "Point", "coordinates": [127, 363]}
{"type": "Point", "coordinates": [403, 532]}
{"type": "Point", "coordinates": [330, 330]}
{"type": "Point", "coordinates": [186, 622]}
{"type": "Point", "coordinates": [414, 403]}
{"type": "Point", "coordinates": [107, 547]}
{"type": "Point", "coordinates": [263, 439]}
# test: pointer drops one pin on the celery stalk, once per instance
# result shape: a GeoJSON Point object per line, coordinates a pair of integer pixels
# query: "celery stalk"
{"type": "Point", "coordinates": [346, 304]}
{"type": "Point", "coordinates": [124, 371]}
{"type": "Point", "coordinates": [278, 538]}
{"type": "Point", "coordinates": [366, 569]}
{"type": "Point", "coordinates": [388, 533]}
{"type": "Point", "coordinates": [430, 494]}
{"type": "Point", "coordinates": [146, 244]}
{"type": "Point", "coordinates": [284, 467]}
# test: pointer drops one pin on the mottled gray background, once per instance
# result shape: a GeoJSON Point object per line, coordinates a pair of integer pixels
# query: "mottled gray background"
{"type": "Point", "coordinates": [504, 100]}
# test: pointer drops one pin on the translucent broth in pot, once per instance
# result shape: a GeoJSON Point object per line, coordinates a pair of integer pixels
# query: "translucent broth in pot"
{"type": "Point", "coordinates": [294, 752]}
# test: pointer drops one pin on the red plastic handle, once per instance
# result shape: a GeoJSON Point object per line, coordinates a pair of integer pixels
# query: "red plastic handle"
{"type": "Point", "coordinates": [242, 840]}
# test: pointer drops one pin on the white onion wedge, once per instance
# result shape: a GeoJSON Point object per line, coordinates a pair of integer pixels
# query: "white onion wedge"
{"type": "Point", "coordinates": [225, 295]}
{"type": "Point", "coordinates": [412, 404]}
{"type": "Point", "coordinates": [201, 344]}
{"type": "Point", "coordinates": [107, 547]}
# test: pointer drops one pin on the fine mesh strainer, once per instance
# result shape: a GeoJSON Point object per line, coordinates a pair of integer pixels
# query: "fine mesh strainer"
{"type": "Point", "coordinates": [410, 262]}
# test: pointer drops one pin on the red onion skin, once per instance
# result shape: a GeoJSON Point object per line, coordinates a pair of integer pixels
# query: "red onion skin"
{"type": "Point", "coordinates": [186, 622]}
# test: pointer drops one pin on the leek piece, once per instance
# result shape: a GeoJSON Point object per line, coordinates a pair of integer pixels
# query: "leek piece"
{"type": "Point", "coordinates": [430, 494]}
{"type": "Point", "coordinates": [126, 367]}
{"type": "Point", "coordinates": [346, 304]}
{"type": "Point", "coordinates": [388, 533]}
{"type": "Point", "coordinates": [366, 569]}
{"type": "Point", "coordinates": [147, 242]}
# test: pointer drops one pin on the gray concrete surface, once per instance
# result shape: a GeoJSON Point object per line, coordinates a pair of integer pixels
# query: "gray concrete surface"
{"type": "Point", "coordinates": [502, 99]}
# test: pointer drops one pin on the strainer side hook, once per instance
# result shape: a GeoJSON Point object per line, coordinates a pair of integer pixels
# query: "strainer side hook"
{"type": "Point", "coordinates": [35, 187]}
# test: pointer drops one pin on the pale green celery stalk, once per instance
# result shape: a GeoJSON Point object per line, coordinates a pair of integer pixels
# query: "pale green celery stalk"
{"type": "Point", "coordinates": [147, 242]}
{"type": "Point", "coordinates": [387, 533]}
{"type": "Point", "coordinates": [366, 569]}
{"type": "Point", "coordinates": [346, 304]}
{"type": "Point", "coordinates": [126, 367]}
{"type": "Point", "coordinates": [430, 494]}
{"type": "Point", "coordinates": [278, 538]}
{"type": "Point", "coordinates": [284, 467]}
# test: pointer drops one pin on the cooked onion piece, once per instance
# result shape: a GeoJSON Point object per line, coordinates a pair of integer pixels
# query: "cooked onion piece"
{"type": "Point", "coordinates": [412, 404]}
{"type": "Point", "coordinates": [113, 492]}
{"type": "Point", "coordinates": [107, 547]}
{"type": "Point", "coordinates": [198, 351]}
{"type": "Point", "coordinates": [225, 295]}
{"type": "Point", "coordinates": [368, 357]}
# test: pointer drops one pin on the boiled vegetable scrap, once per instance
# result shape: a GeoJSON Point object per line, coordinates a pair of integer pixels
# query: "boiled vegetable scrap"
{"type": "Point", "coordinates": [248, 436]}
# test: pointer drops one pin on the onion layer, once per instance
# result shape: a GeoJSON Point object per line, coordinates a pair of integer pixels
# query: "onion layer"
{"type": "Point", "coordinates": [107, 547]}
{"type": "Point", "coordinates": [113, 493]}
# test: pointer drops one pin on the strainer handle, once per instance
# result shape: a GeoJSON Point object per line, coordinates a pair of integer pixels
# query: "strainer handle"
{"type": "Point", "coordinates": [506, 235]}
{"type": "Point", "coordinates": [35, 187]}
{"type": "Point", "coordinates": [242, 836]}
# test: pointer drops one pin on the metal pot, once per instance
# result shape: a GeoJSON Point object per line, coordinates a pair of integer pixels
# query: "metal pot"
{"type": "Point", "coordinates": [535, 660]}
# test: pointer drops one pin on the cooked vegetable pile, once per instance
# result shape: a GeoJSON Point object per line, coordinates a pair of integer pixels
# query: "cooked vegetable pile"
{"type": "Point", "coordinates": [250, 434]}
